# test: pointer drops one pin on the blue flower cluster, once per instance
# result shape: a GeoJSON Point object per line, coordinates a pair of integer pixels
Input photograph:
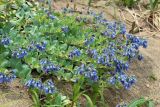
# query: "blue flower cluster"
{"type": "Point", "coordinates": [113, 29]}
{"type": "Point", "coordinates": [140, 57]}
{"type": "Point", "coordinates": [31, 47]}
{"type": "Point", "coordinates": [107, 56]}
{"type": "Point", "coordinates": [39, 46]}
{"type": "Point", "coordinates": [88, 71]}
{"type": "Point", "coordinates": [120, 65]}
{"type": "Point", "coordinates": [48, 87]}
{"type": "Point", "coordinates": [109, 33]}
{"type": "Point", "coordinates": [96, 16]}
{"type": "Point", "coordinates": [42, 46]}
{"type": "Point", "coordinates": [65, 29]}
{"type": "Point", "coordinates": [50, 15]}
{"type": "Point", "coordinates": [48, 66]}
{"type": "Point", "coordinates": [132, 46]}
{"type": "Point", "coordinates": [136, 40]}
{"type": "Point", "coordinates": [5, 41]}
{"type": "Point", "coordinates": [83, 19]}
{"type": "Point", "coordinates": [121, 105]}
{"type": "Point", "coordinates": [89, 41]}
{"type": "Point", "coordinates": [130, 51]}
{"type": "Point", "coordinates": [67, 10]}
{"type": "Point", "coordinates": [7, 78]}
{"type": "Point", "coordinates": [103, 22]}
{"type": "Point", "coordinates": [20, 53]}
{"type": "Point", "coordinates": [75, 52]}
{"type": "Point", "coordinates": [125, 80]}
{"type": "Point", "coordinates": [92, 53]}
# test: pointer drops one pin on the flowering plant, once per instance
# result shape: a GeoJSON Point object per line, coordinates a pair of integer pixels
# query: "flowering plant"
{"type": "Point", "coordinates": [47, 48]}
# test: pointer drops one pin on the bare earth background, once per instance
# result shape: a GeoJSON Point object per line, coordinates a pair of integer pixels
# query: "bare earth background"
{"type": "Point", "coordinates": [147, 71]}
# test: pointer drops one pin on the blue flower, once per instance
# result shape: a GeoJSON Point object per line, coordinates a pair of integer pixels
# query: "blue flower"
{"type": "Point", "coordinates": [103, 21]}
{"type": "Point", "coordinates": [48, 66]}
{"type": "Point", "coordinates": [145, 44]}
{"type": "Point", "coordinates": [42, 46]}
{"type": "Point", "coordinates": [89, 41]}
{"type": "Point", "coordinates": [7, 78]}
{"type": "Point", "coordinates": [75, 52]}
{"type": "Point", "coordinates": [5, 41]}
{"type": "Point", "coordinates": [126, 81]}
{"type": "Point", "coordinates": [47, 87]}
{"type": "Point", "coordinates": [65, 29]}
{"type": "Point", "coordinates": [48, 90]}
{"type": "Point", "coordinates": [109, 33]}
{"type": "Point", "coordinates": [50, 83]}
{"type": "Point", "coordinates": [125, 66]}
{"type": "Point", "coordinates": [43, 61]}
{"type": "Point", "coordinates": [31, 47]}
{"type": "Point", "coordinates": [52, 17]}
{"type": "Point", "coordinates": [123, 29]}
{"type": "Point", "coordinates": [140, 57]}
{"type": "Point", "coordinates": [20, 53]}
{"type": "Point", "coordinates": [88, 71]}
{"type": "Point", "coordinates": [112, 80]}
{"type": "Point", "coordinates": [101, 60]}
{"type": "Point", "coordinates": [92, 53]}
{"type": "Point", "coordinates": [29, 83]}
{"type": "Point", "coordinates": [64, 10]}
{"type": "Point", "coordinates": [121, 105]}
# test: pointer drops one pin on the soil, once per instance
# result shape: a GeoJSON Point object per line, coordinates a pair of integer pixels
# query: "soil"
{"type": "Point", "coordinates": [146, 71]}
{"type": "Point", "coordinates": [14, 95]}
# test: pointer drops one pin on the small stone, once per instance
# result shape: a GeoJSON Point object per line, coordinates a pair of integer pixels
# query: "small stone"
{"type": "Point", "coordinates": [147, 85]}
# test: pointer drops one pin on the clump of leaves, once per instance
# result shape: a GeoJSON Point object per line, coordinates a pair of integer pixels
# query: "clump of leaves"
{"type": "Point", "coordinates": [153, 4]}
{"type": "Point", "coordinates": [129, 3]}
{"type": "Point", "coordinates": [142, 102]}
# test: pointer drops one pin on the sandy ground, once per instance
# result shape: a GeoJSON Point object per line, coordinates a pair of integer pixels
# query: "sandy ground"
{"type": "Point", "coordinates": [147, 71]}
{"type": "Point", "coordinates": [14, 95]}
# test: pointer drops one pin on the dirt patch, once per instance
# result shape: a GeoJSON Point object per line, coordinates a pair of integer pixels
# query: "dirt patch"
{"type": "Point", "coordinates": [14, 95]}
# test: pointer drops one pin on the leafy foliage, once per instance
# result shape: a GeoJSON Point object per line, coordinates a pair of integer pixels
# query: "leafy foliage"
{"type": "Point", "coordinates": [48, 49]}
{"type": "Point", "coordinates": [138, 103]}
{"type": "Point", "coordinates": [153, 4]}
{"type": "Point", "coordinates": [141, 102]}
{"type": "Point", "coordinates": [129, 3]}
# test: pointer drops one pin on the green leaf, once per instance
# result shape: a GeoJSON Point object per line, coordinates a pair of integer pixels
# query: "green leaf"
{"type": "Point", "coordinates": [137, 102]}
{"type": "Point", "coordinates": [35, 98]}
{"type": "Point", "coordinates": [63, 46]}
{"type": "Point", "coordinates": [88, 100]}
{"type": "Point", "coordinates": [58, 100]}
{"type": "Point", "coordinates": [24, 72]}
{"type": "Point", "coordinates": [4, 63]}
{"type": "Point", "coordinates": [151, 103]}
{"type": "Point", "coordinates": [76, 89]}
